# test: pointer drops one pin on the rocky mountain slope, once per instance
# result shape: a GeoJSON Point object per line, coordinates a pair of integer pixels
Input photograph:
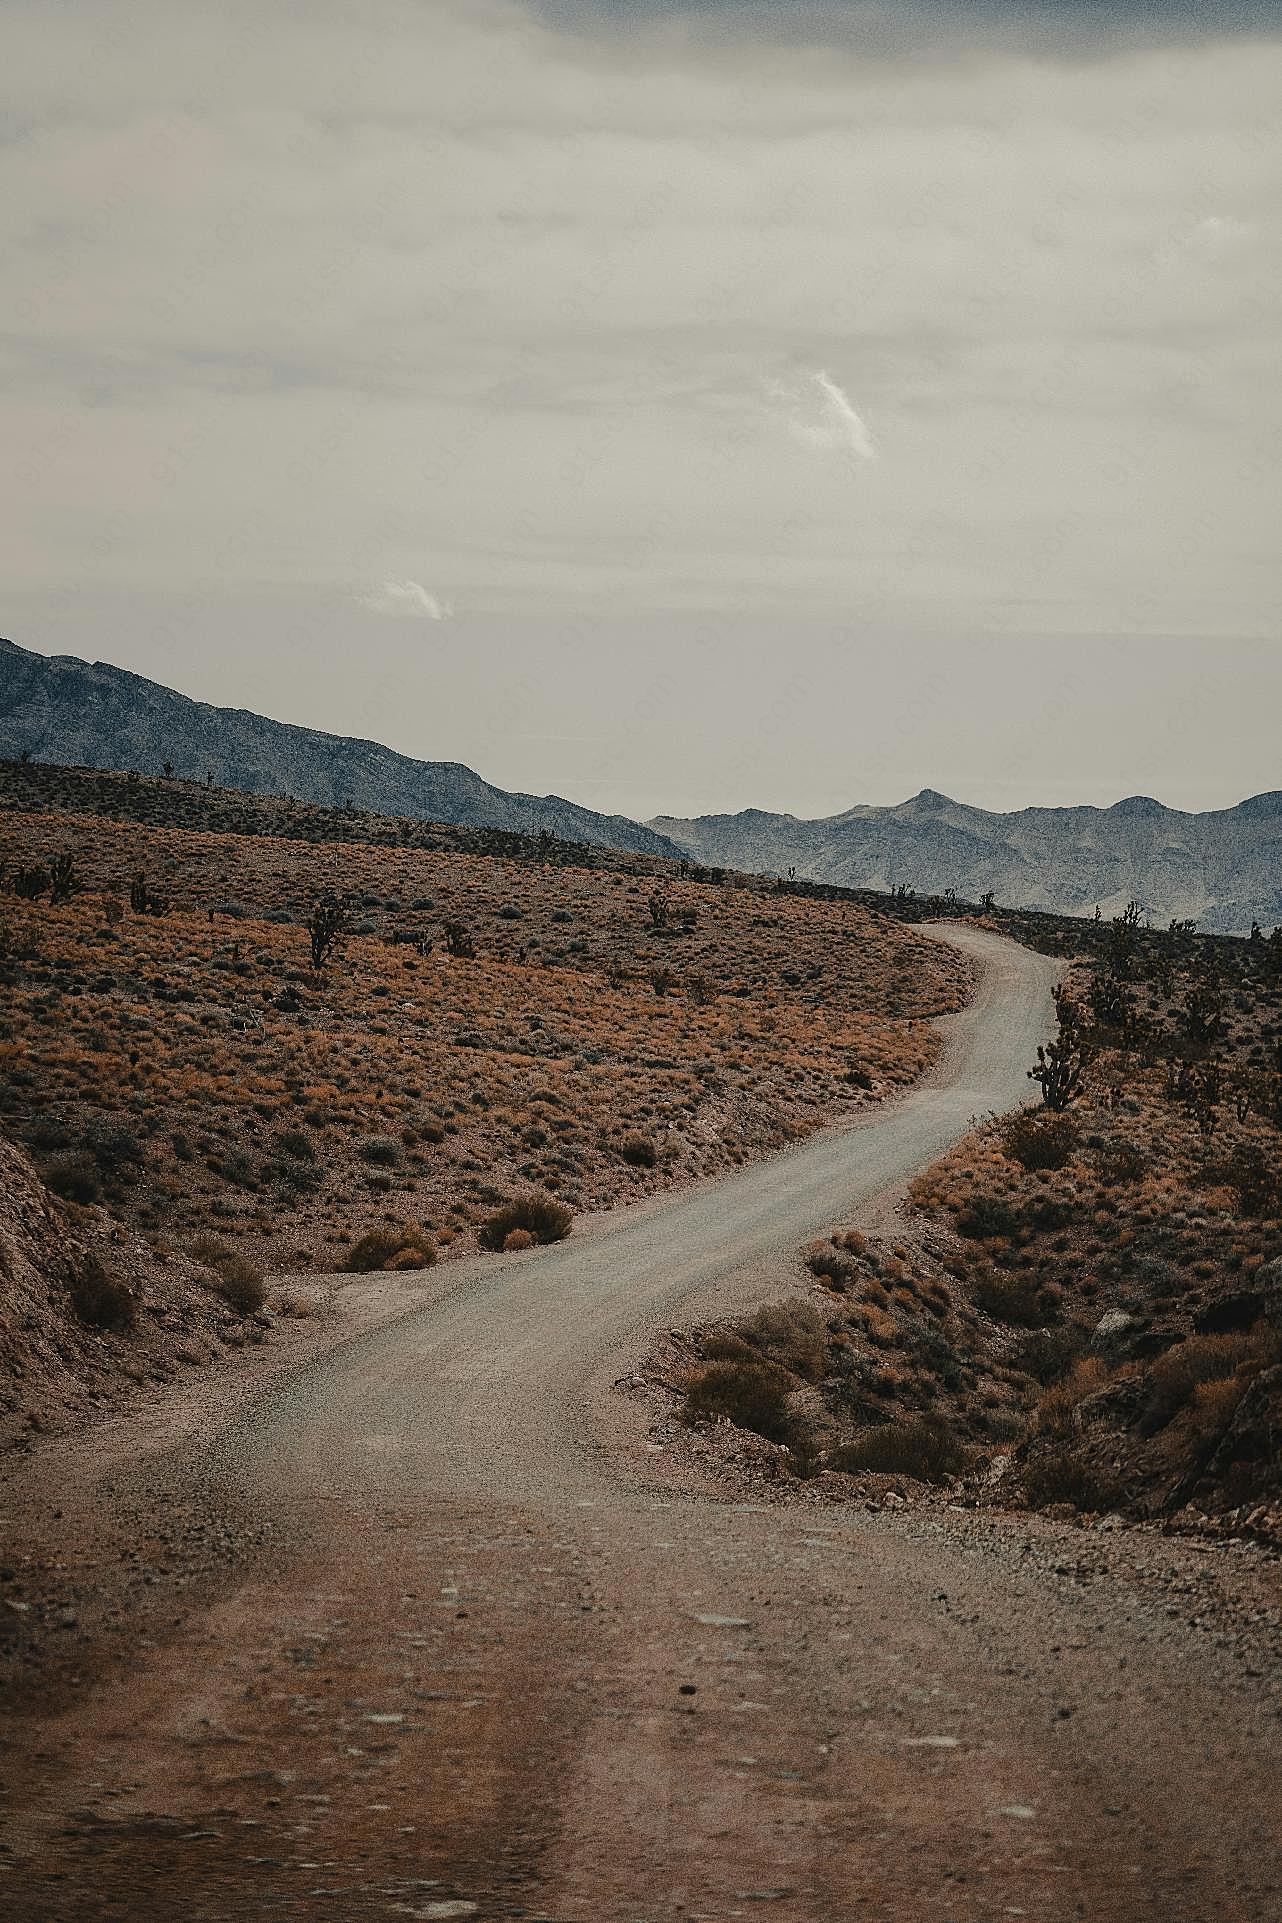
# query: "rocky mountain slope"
{"type": "Point", "coordinates": [1223, 868]}
{"type": "Point", "coordinates": [61, 709]}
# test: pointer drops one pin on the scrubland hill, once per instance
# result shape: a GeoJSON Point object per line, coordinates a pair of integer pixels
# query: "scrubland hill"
{"type": "Point", "coordinates": [492, 1043]}
{"type": "Point", "coordinates": [1084, 1304]}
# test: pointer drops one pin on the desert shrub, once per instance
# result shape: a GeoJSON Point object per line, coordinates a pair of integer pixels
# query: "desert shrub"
{"type": "Point", "coordinates": [409, 1260]}
{"type": "Point", "coordinates": [541, 1216]}
{"type": "Point", "coordinates": [1047, 1213]}
{"type": "Point", "coordinates": [923, 1447]}
{"type": "Point", "coordinates": [75, 1178]}
{"type": "Point", "coordinates": [516, 1240]}
{"type": "Point", "coordinates": [99, 1298]}
{"type": "Point", "coordinates": [1063, 1475]}
{"type": "Point", "coordinates": [293, 1303]}
{"type": "Point", "coordinates": [1056, 1408]}
{"type": "Point", "coordinates": [240, 1284]}
{"type": "Point", "coordinates": [831, 1265]}
{"type": "Point", "coordinates": [403, 1247]}
{"type": "Point", "coordinates": [1213, 1408]}
{"type": "Point", "coordinates": [297, 1177]}
{"type": "Point", "coordinates": [116, 1150]}
{"type": "Point", "coordinates": [1049, 1354]}
{"type": "Point", "coordinates": [751, 1395]}
{"type": "Point", "coordinates": [986, 1216]}
{"type": "Point", "coordinates": [1256, 1176]}
{"type": "Point", "coordinates": [724, 1344]}
{"type": "Point", "coordinates": [639, 1150]}
{"type": "Point", "coordinates": [1018, 1299]}
{"type": "Point", "coordinates": [380, 1151]}
{"type": "Point", "coordinates": [1120, 1164]}
{"type": "Point", "coordinates": [298, 1146]}
{"type": "Point", "coordinates": [933, 1352]}
{"type": "Point", "coordinates": [1176, 1376]}
{"type": "Point", "coordinates": [791, 1334]}
{"type": "Point", "coordinates": [1040, 1141]}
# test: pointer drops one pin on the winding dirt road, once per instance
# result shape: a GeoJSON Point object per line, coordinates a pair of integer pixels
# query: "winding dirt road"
{"type": "Point", "coordinates": [432, 1630]}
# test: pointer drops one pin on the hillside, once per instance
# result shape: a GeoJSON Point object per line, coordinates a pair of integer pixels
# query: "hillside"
{"type": "Point", "coordinates": [1082, 1307]}
{"type": "Point", "coordinates": [1222, 868]}
{"type": "Point", "coordinates": [60, 709]}
{"type": "Point", "coordinates": [487, 1027]}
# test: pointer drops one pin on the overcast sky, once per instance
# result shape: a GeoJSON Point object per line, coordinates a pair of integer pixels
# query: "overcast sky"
{"type": "Point", "coordinates": [676, 406]}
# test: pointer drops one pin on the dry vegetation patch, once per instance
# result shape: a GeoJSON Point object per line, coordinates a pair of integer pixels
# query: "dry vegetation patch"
{"type": "Point", "coordinates": [1089, 1312]}
{"type": "Point", "coordinates": [169, 1050]}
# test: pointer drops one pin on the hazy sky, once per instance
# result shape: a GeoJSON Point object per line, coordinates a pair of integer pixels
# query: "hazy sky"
{"type": "Point", "coordinates": [677, 406]}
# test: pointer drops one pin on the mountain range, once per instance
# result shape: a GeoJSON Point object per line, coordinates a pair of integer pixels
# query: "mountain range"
{"type": "Point", "coordinates": [1222, 868]}
{"type": "Point", "coordinates": [57, 708]}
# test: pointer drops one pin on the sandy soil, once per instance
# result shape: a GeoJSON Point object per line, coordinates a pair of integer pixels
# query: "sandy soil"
{"type": "Point", "coordinates": [429, 1626]}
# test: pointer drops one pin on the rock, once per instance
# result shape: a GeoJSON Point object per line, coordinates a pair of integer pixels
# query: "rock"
{"type": "Point", "coordinates": [1113, 1326]}
{"type": "Point", "coordinates": [1268, 1286]}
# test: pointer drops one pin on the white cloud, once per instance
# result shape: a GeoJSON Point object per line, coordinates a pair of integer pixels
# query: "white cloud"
{"type": "Point", "coordinates": [839, 422]}
{"type": "Point", "coordinates": [408, 601]}
{"type": "Point", "coordinates": [821, 414]}
{"type": "Point", "coordinates": [1222, 230]}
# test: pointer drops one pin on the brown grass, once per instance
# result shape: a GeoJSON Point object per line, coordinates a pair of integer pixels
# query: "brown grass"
{"type": "Point", "coordinates": [274, 1102]}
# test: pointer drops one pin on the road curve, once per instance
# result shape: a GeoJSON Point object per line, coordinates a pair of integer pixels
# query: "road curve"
{"type": "Point", "coordinates": [496, 1666]}
{"type": "Point", "coordinates": [484, 1391]}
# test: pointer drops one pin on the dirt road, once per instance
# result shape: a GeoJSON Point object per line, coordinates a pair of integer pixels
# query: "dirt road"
{"type": "Point", "coordinates": [428, 1629]}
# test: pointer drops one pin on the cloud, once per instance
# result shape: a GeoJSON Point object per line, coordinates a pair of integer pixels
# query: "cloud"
{"type": "Point", "coordinates": [312, 370]}
{"type": "Point", "coordinates": [840, 423]}
{"type": "Point", "coordinates": [897, 26]}
{"type": "Point", "coordinates": [407, 601]}
{"type": "Point", "coordinates": [821, 414]}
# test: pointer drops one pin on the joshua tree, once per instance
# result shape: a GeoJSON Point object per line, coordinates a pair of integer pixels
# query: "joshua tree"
{"type": "Point", "coordinates": [144, 900]}
{"type": "Point", "coordinates": [326, 926]}
{"type": "Point", "coordinates": [1059, 1071]}
{"type": "Point", "coordinates": [28, 884]}
{"type": "Point", "coordinates": [64, 880]}
{"type": "Point", "coordinates": [459, 942]}
{"type": "Point", "coordinates": [1068, 1013]}
{"type": "Point", "coordinates": [1112, 1003]}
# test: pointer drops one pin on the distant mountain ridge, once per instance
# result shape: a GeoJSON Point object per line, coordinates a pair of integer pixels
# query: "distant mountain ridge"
{"type": "Point", "coordinates": [58, 708]}
{"type": "Point", "coordinates": [1222, 868]}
